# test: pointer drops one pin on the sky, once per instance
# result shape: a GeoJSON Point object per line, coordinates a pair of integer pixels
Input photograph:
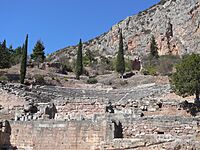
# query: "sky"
{"type": "Point", "coordinates": [61, 23]}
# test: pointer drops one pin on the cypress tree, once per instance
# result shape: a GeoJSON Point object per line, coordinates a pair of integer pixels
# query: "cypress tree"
{"type": "Point", "coordinates": [120, 63]}
{"type": "Point", "coordinates": [153, 48]}
{"type": "Point", "coordinates": [79, 61]}
{"type": "Point", "coordinates": [24, 61]}
{"type": "Point", "coordinates": [3, 45]}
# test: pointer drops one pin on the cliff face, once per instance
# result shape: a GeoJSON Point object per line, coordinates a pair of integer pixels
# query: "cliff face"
{"type": "Point", "coordinates": [174, 23]}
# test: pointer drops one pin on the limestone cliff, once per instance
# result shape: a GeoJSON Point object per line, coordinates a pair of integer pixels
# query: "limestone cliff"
{"type": "Point", "coordinates": [174, 23]}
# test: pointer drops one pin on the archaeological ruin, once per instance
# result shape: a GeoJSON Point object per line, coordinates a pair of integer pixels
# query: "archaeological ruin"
{"type": "Point", "coordinates": [57, 118]}
{"type": "Point", "coordinates": [138, 112]}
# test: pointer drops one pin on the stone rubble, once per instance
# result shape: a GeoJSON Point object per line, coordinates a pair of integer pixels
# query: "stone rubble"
{"type": "Point", "coordinates": [132, 118]}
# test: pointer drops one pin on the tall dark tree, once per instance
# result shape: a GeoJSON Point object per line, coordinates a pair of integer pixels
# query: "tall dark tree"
{"type": "Point", "coordinates": [153, 49]}
{"type": "Point", "coordinates": [79, 61]}
{"type": "Point", "coordinates": [120, 62]}
{"type": "Point", "coordinates": [4, 44]}
{"type": "Point", "coordinates": [24, 61]}
{"type": "Point", "coordinates": [38, 52]}
{"type": "Point", "coordinates": [4, 56]}
{"type": "Point", "coordinates": [186, 80]}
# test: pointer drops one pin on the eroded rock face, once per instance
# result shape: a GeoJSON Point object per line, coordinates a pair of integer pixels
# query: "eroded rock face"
{"type": "Point", "coordinates": [174, 23]}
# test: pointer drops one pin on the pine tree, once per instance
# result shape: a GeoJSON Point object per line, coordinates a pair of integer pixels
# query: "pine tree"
{"type": "Point", "coordinates": [4, 56]}
{"type": "Point", "coordinates": [79, 61]}
{"type": "Point", "coordinates": [18, 50]}
{"type": "Point", "coordinates": [24, 61]}
{"type": "Point", "coordinates": [185, 81]}
{"type": "Point", "coordinates": [38, 52]}
{"type": "Point", "coordinates": [16, 55]}
{"type": "Point", "coordinates": [153, 49]}
{"type": "Point", "coordinates": [120, 63]}
{"type": "Point", "coordinates": [3, 45]}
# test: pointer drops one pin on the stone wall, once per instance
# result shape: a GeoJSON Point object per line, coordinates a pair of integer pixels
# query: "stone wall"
{"type": "Point", "coordinates": [165, 125]}
{"type": "Point", "coordinates": [103, 133]}
{"type": "Point", "coordinates": [50, 135]}
{"type": "Point", "coordinates": [81, 110]}
{"type": "Point", "coordinates": [5, 132]}
{"type": "Point", "coordinates": [145, 133]}
{"type": "Point", "coordinates": [100, 119]}
{"type": "Point", "coordinates": [4, 135]}
{"type": "Point", "coordinates": [71, 103]}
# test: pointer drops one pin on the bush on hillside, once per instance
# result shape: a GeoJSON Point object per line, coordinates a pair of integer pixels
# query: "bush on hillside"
{"type": "Point", "coordinates": [39, 79]}
{"type": "Point", "coordinates": [162, 66]}
{"type": "Point", "coordinates": [149, 70]}
{"type": "Point", "coordinates": [92, 81]}
{"type": "Point", "coordinates": [128, 65]}
{"type": "Point", "coordinates": [3, 78]}
{"type": "Point", "coordinates": [89, 58]}
{"type": "Point", "coordinates": [167, 63]}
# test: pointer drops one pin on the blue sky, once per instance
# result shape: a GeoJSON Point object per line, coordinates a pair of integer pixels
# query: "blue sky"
{"type": "Point", "coordinates": [60, 23]}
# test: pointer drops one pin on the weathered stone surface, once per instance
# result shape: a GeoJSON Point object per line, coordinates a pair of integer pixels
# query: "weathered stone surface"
{"type": "Point", "coordinates": [51, 135]}
{"type": "Point", "coordinates": [140, 117]}
{"type": "Point", "coordinates": [138, 133]}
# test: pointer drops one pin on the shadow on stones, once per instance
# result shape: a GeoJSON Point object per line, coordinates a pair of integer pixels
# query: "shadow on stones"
{"type": "Point", "coordinates": [5, 133]}
{"type": "Point", "coordinates": [192, 108]}
{"type": "Point", "coordinates": [128, 75]}
{"type": "Point", "coordinates": [118, 130]}
{"type": "Point", "coordinates": [51, 111]}
{"type": "Point", "coordinates": [13, 77]}
{"type": "Point", "coordinates": [109, 108]}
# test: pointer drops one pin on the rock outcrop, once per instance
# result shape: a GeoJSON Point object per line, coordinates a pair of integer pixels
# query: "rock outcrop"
{"type": "Point", "coordinates": [174, 23]}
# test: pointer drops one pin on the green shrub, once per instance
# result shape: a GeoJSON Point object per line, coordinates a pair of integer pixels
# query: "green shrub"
{"type": "Point", "coordinates": [128, 65]}
{"type": "Point", "coordinates": [149, 70]}
{"type": "Point", "coordinates": [162, 66]}
{"type": "Point", "coordinates": [39, 79]}
{"type": "Point", "coordinates": [107, 63]}
{"type": "Point", "coordinates": [92, 81]}
{"type": "Point", "coordinates": [89, 58]}
{"type": "Point", "coordinates": [86, 61]}
{"type": "Point", "coordinates": [3, 78]}
{"type": "Point", "coordinates": [166, 64]}
{"type": "Point", "coordinates": [67, 67]}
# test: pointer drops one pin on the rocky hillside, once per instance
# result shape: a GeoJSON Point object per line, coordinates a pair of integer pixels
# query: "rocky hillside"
{"type": "Point", "coordinates": [174, 23]}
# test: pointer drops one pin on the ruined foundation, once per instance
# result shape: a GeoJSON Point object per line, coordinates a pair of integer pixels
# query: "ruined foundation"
{"type": "Point", "coordinates": [56, 118]}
